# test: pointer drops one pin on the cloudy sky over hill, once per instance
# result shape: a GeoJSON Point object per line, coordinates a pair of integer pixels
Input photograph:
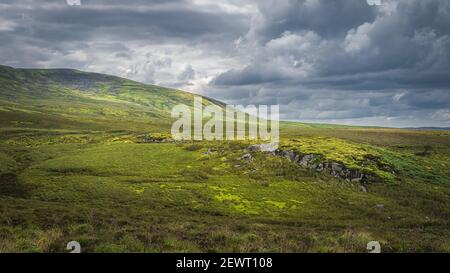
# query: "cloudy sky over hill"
{"type": "Point", "coordinates": [321, 60]}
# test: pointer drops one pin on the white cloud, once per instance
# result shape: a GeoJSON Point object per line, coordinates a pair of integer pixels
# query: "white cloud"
{"type": "Point", "coordinates": [359, 39]}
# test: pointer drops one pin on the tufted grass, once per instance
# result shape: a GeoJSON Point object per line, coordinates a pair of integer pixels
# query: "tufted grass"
{"type": "Point", "coordinates": [75, 165]}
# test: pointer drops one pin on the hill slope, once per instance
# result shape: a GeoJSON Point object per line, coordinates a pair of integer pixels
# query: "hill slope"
{"type": "Point", "coordinates": [68, 99]}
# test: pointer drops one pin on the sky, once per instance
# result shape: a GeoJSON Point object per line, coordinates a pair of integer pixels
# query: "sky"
{"type": "Point", "coordinates": [322, 61]}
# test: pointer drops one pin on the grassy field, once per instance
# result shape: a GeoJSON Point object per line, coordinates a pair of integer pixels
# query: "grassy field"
{"type": "Point", "coordinates": [76, 164]}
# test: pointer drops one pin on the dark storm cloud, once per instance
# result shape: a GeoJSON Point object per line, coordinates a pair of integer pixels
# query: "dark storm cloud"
{"type": "Point", "coordinates": [327, 18]}
{"type": "Point", "coordinates": [391, 62]}
{"type": "Point", "coordinates": [136, 39]}
{"type": "Point", "coordinates": [329, 61]}
{"type": "Point", "coordinates": [403, 44]}
{"type": "Point", "coordinates": [55, 21]}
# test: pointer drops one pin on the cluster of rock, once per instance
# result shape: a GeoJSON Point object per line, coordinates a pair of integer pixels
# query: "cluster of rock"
{"type": "Point", "coordinates": [153, 139]}
{"type": "Point", "coordinates": [316, 162]}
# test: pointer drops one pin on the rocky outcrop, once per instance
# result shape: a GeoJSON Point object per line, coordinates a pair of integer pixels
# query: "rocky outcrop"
{"type": "Point", "coordinates": [319, 164]}
{"type": "Point", "coordinates": [266, 147]}
{"type": "Point", "coordinates": [149, 138]}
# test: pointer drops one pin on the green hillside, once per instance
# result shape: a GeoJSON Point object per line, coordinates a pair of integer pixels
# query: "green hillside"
{"type": "Point", "coordinates": [87, 157]}
{"type": "Point", "coordinates": [71, 99]}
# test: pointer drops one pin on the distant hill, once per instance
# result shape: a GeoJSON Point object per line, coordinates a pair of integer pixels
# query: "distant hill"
{"type": "Point", "coordinates": [73, 99]}
{"type": "Point", "coordinates": [68, 99]}
{"type": "Point", "coordinates": [429, 128]}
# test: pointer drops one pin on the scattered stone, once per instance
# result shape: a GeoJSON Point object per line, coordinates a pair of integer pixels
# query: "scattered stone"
{"type": "Point", "coordinates": [247, 157]}
{"type": "Point", "coordinates": [362, 188]}
{"type": "Point", "coordinates": [379, 206]}
{"type": "Point", "coordinates": [268, 148]}
{"type": "Point", "coordinates": [154, 138]}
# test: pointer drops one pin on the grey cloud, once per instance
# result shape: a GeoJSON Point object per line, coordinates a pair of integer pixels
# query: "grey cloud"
{"type": "Point", "coordinates": [56, 21]}
{"type": "Point", "coordinates": [253, 74]}
{"type": "Point", "coordinates": [327, 18]}
{"type": "Point", "coordinates": [328, 61]}
{"type": "Point", "coordinates": [354, 68]}
{"type": "Point", "coordinates": [187, 74]}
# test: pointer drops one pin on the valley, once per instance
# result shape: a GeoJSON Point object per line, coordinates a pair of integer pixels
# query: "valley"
{"type": "Point", "coordinates": [89, 158]}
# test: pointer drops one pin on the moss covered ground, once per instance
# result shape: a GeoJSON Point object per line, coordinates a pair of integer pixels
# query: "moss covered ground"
{"type": "Point", "coordinates": [77, 164]}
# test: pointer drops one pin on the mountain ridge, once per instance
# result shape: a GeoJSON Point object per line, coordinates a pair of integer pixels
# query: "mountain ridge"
{"type": "Point", "coordinates": [73, 94]}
